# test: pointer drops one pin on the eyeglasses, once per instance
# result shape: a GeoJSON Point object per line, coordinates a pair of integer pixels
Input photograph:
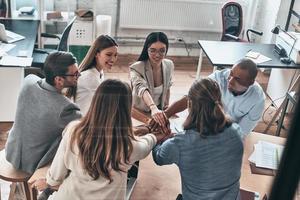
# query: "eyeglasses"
{"type": "Point", "coordinates": [76, 74]}
{"type": "Point", "coordinates": [153, 51]}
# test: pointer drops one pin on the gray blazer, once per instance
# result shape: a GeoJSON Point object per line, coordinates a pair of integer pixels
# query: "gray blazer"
{"type": "Point", "coordinates": [42, 114]}
{"type": "Point", "coordinates": [141, 77]}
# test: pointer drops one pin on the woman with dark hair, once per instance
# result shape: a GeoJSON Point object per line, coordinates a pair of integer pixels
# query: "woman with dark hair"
{"type": "Point", "coordinates": [209, 152]}
{"type": "Point", "coordinates": [96, 152]}
{"type": "Point", "coordinates": [102, 55]}
{"type": "Point", "coordinates": [151, 77]}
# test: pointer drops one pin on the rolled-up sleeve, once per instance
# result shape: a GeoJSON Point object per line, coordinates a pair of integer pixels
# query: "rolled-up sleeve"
{"type": "Point", "coordinates": [138, 81]}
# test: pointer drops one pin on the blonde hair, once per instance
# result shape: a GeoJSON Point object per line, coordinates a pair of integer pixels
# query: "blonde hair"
{"type": "Point", "coordinates": [206, 113]}
{"type": "Point", "coordinates": [104, 134]}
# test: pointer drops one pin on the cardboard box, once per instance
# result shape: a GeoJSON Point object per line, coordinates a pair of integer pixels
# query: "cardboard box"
{"type": "Point", "coordinates": [284, 40]}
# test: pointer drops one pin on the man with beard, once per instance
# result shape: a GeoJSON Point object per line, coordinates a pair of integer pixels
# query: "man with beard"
{"type": "Point", "coordinates": [42, 114]}
{"type": "Point", "coordinates": [242, 97]}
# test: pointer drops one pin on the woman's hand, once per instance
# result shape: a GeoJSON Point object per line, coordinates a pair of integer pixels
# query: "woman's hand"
{"type": "Point", "coordinates": [158, 116]}
{"type": "Point", "coordinates": [160, 137]}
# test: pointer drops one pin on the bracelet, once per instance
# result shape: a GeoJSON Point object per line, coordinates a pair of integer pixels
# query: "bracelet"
{"type": "Point", "coordinates": [152, 104]}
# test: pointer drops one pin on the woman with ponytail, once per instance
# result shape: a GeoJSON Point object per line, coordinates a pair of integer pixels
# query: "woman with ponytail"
{"type": "Point", "coordinates": [209, 151]}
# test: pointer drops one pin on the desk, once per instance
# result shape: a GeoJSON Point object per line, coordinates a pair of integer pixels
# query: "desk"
{"type": "Point", "coordinates": [289, 97]}
{"type": "Point", "coordinates": [11, 77]}
{"type": "Point", "coordinates": [226, 54]}
{"type": "Point", "coordinates": [255, 182]}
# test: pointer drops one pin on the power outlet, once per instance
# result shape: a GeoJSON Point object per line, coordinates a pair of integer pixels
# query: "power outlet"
{"type": "Point", "coordinates": [179, 39]}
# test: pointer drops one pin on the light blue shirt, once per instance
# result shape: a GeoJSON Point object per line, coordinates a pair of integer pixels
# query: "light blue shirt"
{"type": "Point", "coordinates": [210, 167]}
{"type": "Point", "coordinates": [245, 109]}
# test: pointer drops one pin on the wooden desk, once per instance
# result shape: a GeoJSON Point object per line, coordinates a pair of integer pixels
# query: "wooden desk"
{"type": "Point", "coordinates": [255, 182]}
{"type": "Point", "coordinates": [11, 78]}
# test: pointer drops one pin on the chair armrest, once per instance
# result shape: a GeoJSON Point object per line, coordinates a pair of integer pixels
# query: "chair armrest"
{"type": "Point", "coordinates": [232, 37]}
{"type": "Point", "coordinates": [49, 35]}
{"type": "Point", "coordinates": [253, 31]}
{"type": "Point", "coordinates": [40, 51]}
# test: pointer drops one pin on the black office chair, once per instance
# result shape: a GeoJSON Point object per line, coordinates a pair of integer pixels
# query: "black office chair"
{"type": "Point", "coordinates": [232, 21]}
{"type": "Point", "coordinates": [40, 55]}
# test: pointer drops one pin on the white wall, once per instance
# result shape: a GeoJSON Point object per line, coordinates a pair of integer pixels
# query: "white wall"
{"type": "Point", "coordinates": [260, 14]}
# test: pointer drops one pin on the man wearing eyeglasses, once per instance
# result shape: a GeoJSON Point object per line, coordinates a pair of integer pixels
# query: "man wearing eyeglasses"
{"type": "Point", "coordinates": [42, 114]}
{"type": "Point", "coordinates": [242, 97]}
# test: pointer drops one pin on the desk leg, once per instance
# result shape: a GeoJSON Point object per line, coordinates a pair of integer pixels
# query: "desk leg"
{"type": "Point", "coordinates": [280, 122]}
{"type": "Point", "coordinates": [293, 86]}
{"type": "Point", "coordinates": [199, 64]}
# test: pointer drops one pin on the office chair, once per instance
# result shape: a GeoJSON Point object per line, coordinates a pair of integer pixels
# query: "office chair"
{"type": "Point", "coordinates": [232, 21]}
{"type": "Point", "coordinates": [39, 55]}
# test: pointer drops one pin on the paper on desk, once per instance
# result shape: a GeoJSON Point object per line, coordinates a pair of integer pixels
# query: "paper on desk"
{"type": "Point", "coordinates": [257, 57]}
{"type": "Point", "coordinates": [6, 47]}
{"type": "Point", "coordinates": [176, 124]}
{"type": "Point", "coordinates": [15, 61]}
{"type": "Point", "coordinates": [266, 155]}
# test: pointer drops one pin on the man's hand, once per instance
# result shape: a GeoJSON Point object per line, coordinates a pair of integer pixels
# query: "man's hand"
{"type": "Point", "coordinates": [41, 184]}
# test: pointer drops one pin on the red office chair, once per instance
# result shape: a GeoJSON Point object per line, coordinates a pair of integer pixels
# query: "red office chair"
{"type": "Point", "coordinates": [232, 21]}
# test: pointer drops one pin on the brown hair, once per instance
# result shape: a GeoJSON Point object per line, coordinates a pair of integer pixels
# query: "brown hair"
{"type": "Point", "coordinates": [89, 61]}
{"type": "Point", "coordinates": [104, 134]}
{"type": "Point", "coordinates": [206, 113]}
{"type": "Point", "coordinates": [57, 64]}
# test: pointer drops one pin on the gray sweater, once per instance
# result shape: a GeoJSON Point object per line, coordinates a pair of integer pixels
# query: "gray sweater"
{"type": "Point", "coordinates": [210, 167]}
{"type": "Point", "coordinates": [42, 114]}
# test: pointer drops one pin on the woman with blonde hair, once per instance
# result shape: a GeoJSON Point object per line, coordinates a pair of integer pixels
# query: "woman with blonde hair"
{"type": "Point", "coordinates": [96, 152]}
{"type": "Point", "coordinates": [209, 152]}
{"type": "Point", "coordinates": [101, 56]}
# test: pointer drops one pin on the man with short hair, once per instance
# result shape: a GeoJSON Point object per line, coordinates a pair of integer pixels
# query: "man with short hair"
{"type": "Point", "coordinates": [242, 97]}
{"type": "Point", "coordinates": [42, 114]}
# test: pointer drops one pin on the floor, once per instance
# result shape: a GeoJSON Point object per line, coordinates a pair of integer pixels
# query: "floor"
{"type": "Point", "coordinates": [163, 182]}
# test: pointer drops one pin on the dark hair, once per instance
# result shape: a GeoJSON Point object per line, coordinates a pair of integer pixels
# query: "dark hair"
{"type": "Point", "coordinates": [206, 113]}
{"type": "Point", "coordinates": [57, 64]}
{"type": "Point", "coordinates": [152, 38]}
{"type": "Point", "coordinates": [104, 134]}
{"type": "Point", "coordinates": [250, 66]}
{"type": "Point", "coordinates": [89, 61]}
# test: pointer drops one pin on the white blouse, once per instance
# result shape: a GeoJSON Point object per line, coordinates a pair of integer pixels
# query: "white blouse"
{"type": "Point", "coordinates": [87, 85]}
{"type": "Point", "coordinates": [66, 170]}
{"type": "Point", "coordinates": [157, 92]}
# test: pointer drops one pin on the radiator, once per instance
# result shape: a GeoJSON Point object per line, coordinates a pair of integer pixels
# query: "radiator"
{"type": "Point", "coordinates": [183, 15]}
